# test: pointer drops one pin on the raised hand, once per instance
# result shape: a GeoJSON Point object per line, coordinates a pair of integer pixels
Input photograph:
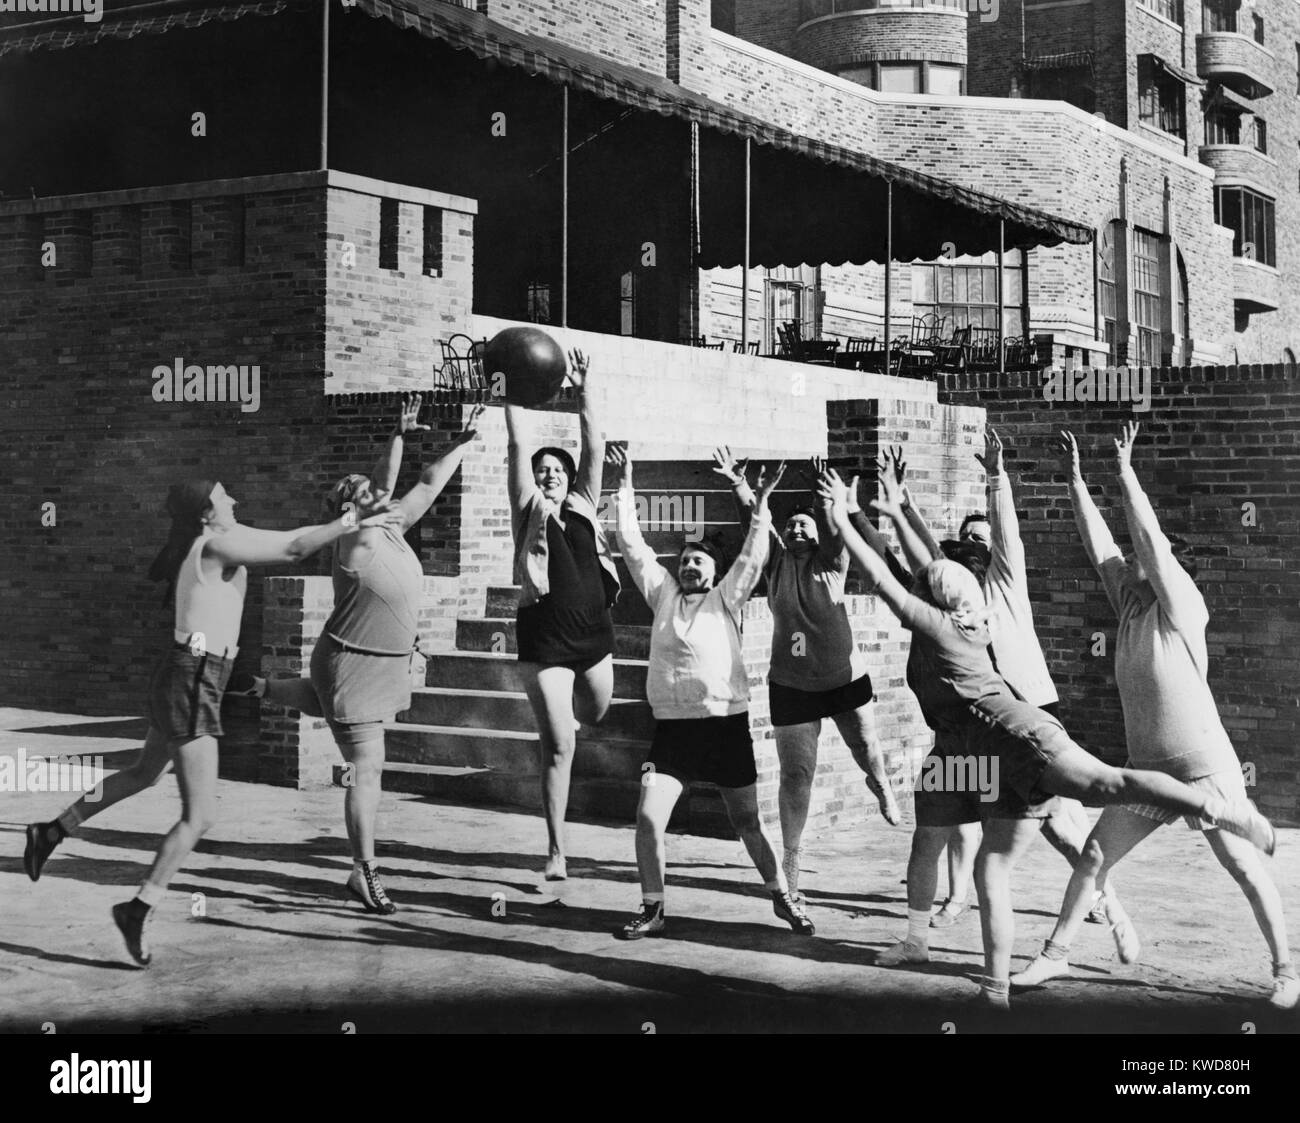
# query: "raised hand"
{"type": "Point", "coordinates": [389, 514]}
{"type": "Point", "coordinates": [991, 461]}
{"type": "Point", "coordinates": [731, 468]}
{"type": "Point", "coordinates": [1124, 445]}
{"type": "Point", "coordinates": [853, 504]}
{"type": "Point", "coordinates": [895, 456]}
{"type": "Point", "coordinates": [618, 454]}
{"type": "Point", "coordinates": [832, 490]}
{"type": "Point", "coordinates": [471, 424]}
{"type": "Point", "coordinates": [765, 487]}
{"type": "Point", "coordinates": [408, 418]}
{"type": "Point", "coordinates": [579, 364]}
{"type": "Point", "coordinates": [891, 494]}
{"type": "Point", "coordinates": [1069, 446]}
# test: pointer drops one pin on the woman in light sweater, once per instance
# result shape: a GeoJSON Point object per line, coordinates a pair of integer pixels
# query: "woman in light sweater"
{"type": "Point", "coordinates": [1171, 721]}
{"type": "Point", "coordinates": [699, 692]}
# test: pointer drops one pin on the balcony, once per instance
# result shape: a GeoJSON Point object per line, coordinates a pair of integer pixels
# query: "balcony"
{"type": "Point", "coordinates": [1237, 61]}
{"type": "Point", "coordinates": [815, 9]}
{"type": "Point", "coordinates": [833, 33]}
{"type": "Point", "coordinates": [1254, 286]}
{"type": "Point", "coordinates": [1240, 163]}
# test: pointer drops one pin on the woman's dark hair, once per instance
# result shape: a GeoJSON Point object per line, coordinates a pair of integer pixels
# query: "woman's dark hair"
{"type": "Point", "coordinates": [974, 556]}
{"type": "Point", "coordinates": [562, 456]}
{"type": "Point", "coordinates": [973, 517]}
{"type": "Point", "coordinates": [187, 503]}
{"type": "Point", "coordinates": [721, 562]}
{"type": "Point", "coordinates": [1184, 554]}
{"type": "Point", "coordinates": [803, 509]}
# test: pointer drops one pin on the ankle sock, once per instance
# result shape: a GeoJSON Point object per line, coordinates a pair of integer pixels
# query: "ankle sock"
{"type": "Point", "coordinates": [918, 926]}
{"type": "Point", "coordinates": [1054, 951]}
{"type": "Point", "coordinates": [1284, 970]}
{"type": "Point", "coordinates": [66, 823]}
{"type": "Point", "coordinates": [151, 894]}
{"type": "Point", "coordinates": [652, 898]}
{"type": "Point", "coordinates": [776, 885]}
{"type": "Point", "coordinates": [996, 988]}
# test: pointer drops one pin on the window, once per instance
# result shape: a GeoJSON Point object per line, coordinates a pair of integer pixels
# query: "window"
{"type": "Point", "coordinates": [1150, 295]}
{"type": "Point", "coordinates": [863, 75]}
{"type": "Point", "coordinates": [1261, 135]}
{"type": "Point", "coordinates": [1258, 22]}
{"type": "Point", "coordinates": [967, 292]}
{"type": "Point", "coordinates": [1220, 15]}
{"type": "Point", "coordinates": [433, 241]}
{"type": "Point", "coordinates": [1182, 311]}
{"type": "Point", "coordinates": [1106, 293]}
{"type": "Point", "coordinates": [1222, 126]}
{"type": "Point", "coordinates": [1170, 9]}
{"type": "Point", "coordinates": [1160, 98]}
{"type": "Point", "coordinates": [539, 302]}
{"type": "Point", "coordinates": [1070, 84]}
{"type": "Point", "coordinates": [945, 79]}
{"type": "Point", "coordinates": [904, 78]}
{"type": "Point", "coordinates": [627, 304]}
{"type": "Point", "coordinates": [388, 216]}
{"type": "Point", "coordinates": [1249, 215]}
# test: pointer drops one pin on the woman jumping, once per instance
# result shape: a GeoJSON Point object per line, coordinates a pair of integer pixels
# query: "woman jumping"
{"type": "Point", "coordinates": [1171, 722]}
{"type": "Point", "coordinates": [568, 583]}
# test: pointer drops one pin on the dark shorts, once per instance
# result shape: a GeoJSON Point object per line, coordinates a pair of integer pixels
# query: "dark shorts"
{"type": "Point", "coordinates": [185, 693]}
{"type": "Point", "coordinates": [964, 779]}
{"type": "Point", "coordinates": [563, 637]}
{"type": "Point", "coordinates": [792, 706]}
{"type": "Point", "coordinates": [710, 750]}
{"type": "Point", "coordinates": [1026, 739]}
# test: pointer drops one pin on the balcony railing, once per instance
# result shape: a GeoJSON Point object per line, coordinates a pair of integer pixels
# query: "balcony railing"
{"type": "Point", "coordinates": [815, 9]}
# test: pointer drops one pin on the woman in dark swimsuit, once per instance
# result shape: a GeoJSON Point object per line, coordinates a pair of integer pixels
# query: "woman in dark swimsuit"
{"type": "Point", "coordinates": [568, 583]}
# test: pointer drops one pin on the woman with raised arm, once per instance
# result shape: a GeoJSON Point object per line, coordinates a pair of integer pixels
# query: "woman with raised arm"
{"type": "Point", "coordinates": [567, 585]}
{"type": "Point", "coordinates": [816, 668]}
{"type": "Point", "coordinates": [205, 564]}
{"type": "Point", "coordinates": [950, 671]}
{"type": "Point", "coordinates": [361, 665]}
{"type": "Point", "coordinates": [1171, 722]}
{"type": "Point", "coordinates": [698, 690]}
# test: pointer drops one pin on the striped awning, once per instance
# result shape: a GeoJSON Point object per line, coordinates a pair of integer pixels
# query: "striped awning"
{"type": "Point", "coordinates": [1174, 70]}
{"type": "Point", "coordinates": [1069, 60]}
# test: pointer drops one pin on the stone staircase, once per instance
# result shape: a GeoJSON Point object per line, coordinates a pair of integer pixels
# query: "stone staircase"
{"type": "Point", "coordinates": [469, 736]}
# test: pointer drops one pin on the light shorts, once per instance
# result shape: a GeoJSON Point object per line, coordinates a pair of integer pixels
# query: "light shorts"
{"type": "Point", "coordinates": [1228, 785]}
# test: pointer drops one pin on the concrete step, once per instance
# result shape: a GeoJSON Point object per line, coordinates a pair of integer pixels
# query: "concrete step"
{"type": "Point", "coordinates": [630, 609]}
{"type": "Point", "coordinates": [508, 709]}
{"type": "Point", "coordinates": [510, 752]}
{"type": "Point", "coordinates": [498, 637]}
{"type": "Point", "coordinates": [485, 671]}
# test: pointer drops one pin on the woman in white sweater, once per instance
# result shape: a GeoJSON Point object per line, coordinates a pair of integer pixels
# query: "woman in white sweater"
{"type": "Point", "coordinates": [699, 692]}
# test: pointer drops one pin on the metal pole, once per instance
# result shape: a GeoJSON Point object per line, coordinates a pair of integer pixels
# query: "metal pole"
{"type": "Point", "coordinates": [1096, 286]}
{"type": "Point", "coordinates": [889, 258]}
{"type": "Point", "coordinates": [744, 282]}
{"type": "Point", "coordinates": [325, 86]}
{"type": "Point", "coordinates": [564, 216]}
{"type": "Point", "coordinates": [1002, 250]}
{"type": "Point", "coordinates": [693, 276]}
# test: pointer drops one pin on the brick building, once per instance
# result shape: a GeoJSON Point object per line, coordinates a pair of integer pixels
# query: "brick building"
{"type": "Point", "coordinates": [192, 182]}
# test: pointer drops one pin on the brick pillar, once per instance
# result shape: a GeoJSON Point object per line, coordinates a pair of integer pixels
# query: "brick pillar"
{"type": "Point", "coordinates": [852, 446]}
{"type": "Point", "coordinates": [218, 233]}
{"type": "Point", "coordinates": [20, 250]}
{"type": "Point", "coordinates": [165, 236]}
{"type": "Point", "coordinates": [69, 232]}
{"type": "Point", "coordinates": [116, 246]}
{"type": "Point", "coordinates": [687, 47]}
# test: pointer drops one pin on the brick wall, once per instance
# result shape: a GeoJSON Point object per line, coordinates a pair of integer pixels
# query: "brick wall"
{"type": "Point", "coordinates": [934, 34]}
{"type": "Point", "coordinates": [1214, 440]}
{"type": "Point", "coordinates": [630, 31]}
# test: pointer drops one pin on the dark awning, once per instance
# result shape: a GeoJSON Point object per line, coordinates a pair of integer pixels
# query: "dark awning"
{"type": "Point", "coordinates": [1175, 71]}
{"type": "Point", "coordinates": [1220, 97]}
{"type": "Point", "coordinates": [558, 62]}
{"type": "Point", "coordinates": [1069, 60]}
{"type": "Point", "coordinates": [122, 20]}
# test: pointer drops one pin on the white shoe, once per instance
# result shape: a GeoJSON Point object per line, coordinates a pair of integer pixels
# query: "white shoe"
{"type": "Point", "coordinates": [1286, 992]}
{"type": "Point", "coordinates": [1040, 971]}
{"type": "Point", "coordinates": [1242, 818]}
{"type": "Point", "coordinates": [1127, 944]}
{"type": "Point", "coordinates": [905, 951]}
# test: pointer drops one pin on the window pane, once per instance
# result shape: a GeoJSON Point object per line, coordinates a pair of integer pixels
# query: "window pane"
{"type": "Point", "coordinates": [922, 284]}
{"type": "Point", "coordinates": [945, 285]}
{"type": "Point", "coordinates": [905, 79]}
{"type": "Point", "coordinates": [945, 79]}
{"type": "Point", "coordinates": [1015, 294]}
{"type": "Point", "coordinates": [861, 74]}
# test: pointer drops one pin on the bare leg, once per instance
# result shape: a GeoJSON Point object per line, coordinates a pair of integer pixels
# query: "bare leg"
{"type": "Point", "coordinates": [1005, 841]}
{"type": "Point", "coordinates": [963, 842]}
{"type": "Point", "coordinates": [1067, 830]}
{"type": "Point", "coordinates": [294, 694]}
{"type": "Point", "coordinates": [150, 766]}
{"type": "Point", "coordinates": [659, 795]}
{"type": "Point", "coordinates": [196, 775]}
{"type": "Point", "coordinates": [742, 810]}
{"type": "Point", "coordinates": [796, 747]}
{"type": "Point", "coordinates": [550, 693]}
{"type": "Point", "coordinates": [362, 746]}
{"type": "Point", "coordinates": [922, 883]}
{"type": "Point", "coordinates": [1242, 861]}
{"type": "Point", "coordinates": [592, 691]}
{"type": "Point", "coordinates": [858, 728]}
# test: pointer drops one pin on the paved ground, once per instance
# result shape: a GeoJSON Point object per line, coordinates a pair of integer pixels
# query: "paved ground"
{"type": "Point", "coordinates": [280, 947]}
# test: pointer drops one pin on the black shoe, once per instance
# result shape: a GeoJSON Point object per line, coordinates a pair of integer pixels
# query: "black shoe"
{"type": "Point", "coordinates": [649, 922]}
{"type": "Point", "coordinates": [792, 912]}
{"type": "Point", "coordinates": [39, 847]}
{"type": "Point", "coordinates": [369, 890]}
{"type": "Point", "coordinates": [130, 922]}
{"type": "Point", "coordinates": [242, 685]}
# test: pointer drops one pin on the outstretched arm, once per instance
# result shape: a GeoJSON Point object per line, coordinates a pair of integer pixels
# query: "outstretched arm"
{"type": "Point", "coordinates": [384, 477]}
{"type": "Point", "coordinates": [742, 577]}
{"type": "Point", "coordinates": [911, 512]}
{"type": "Point", "coordinates": [647, 574]}
{"type": "Point", "coordinates": [519, 447]}
{"type": "Point", "coordinates": [1098, 542]}
{"type": "Point", "coordinates": [868, 561]}
{"type": "Point", "coordinates": [1167, 577]}
{"type": "Point", "coordinates": [246, 545]}
{"type": "Point", "coordinates": [891, 503]}
{"type": "Point", "coordinates": [830, 546]}
{"type": "Point", "coordinates": [592, 457]}
{"type": "Point", "coordinates": [434, 478]}
{"type": "Point", "coordinates": [1007, 549]}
